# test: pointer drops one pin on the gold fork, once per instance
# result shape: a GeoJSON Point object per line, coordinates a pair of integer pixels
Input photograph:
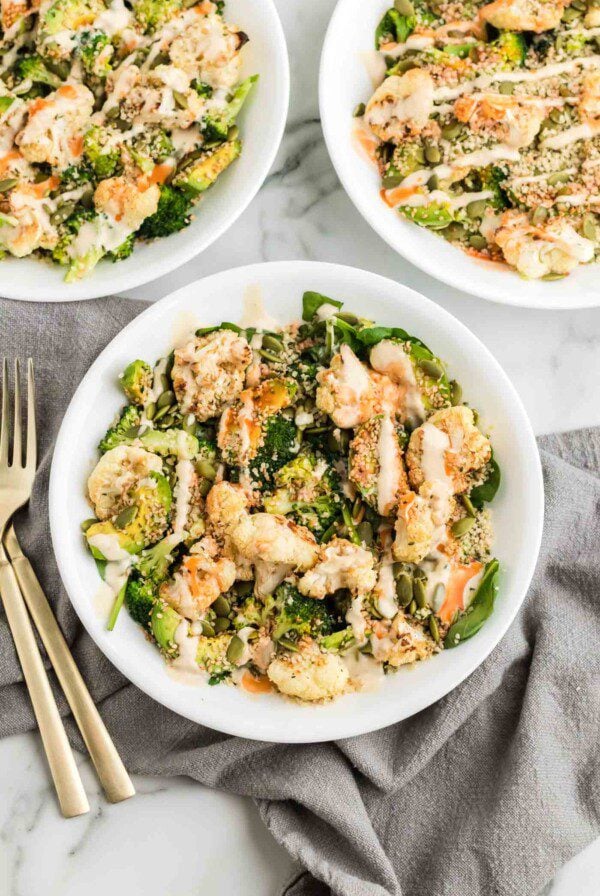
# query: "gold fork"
{"type": "Point", "coordinates": [16, 481]}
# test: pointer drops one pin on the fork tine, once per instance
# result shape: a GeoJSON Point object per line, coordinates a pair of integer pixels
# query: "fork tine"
{"type": "Point", "coordinates": [4, 423]}
{"type": "Point", "coordinates": [31, 457]}
{"type": "Point", "coordinates": [17, 455]}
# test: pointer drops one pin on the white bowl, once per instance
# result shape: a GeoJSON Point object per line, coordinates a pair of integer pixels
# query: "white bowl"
{"type": "Point", "coordinates": [343, 83]}
{"type": "Point", "coordinates": [518, 509]}
{"type": "Point", "coordinates": [261, 121]}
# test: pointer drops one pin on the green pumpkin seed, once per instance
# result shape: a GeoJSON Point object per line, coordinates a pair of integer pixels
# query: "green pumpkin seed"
{"type": "Point", "coordinates": [404, 7]}
{"type": "Point", "coordinates": [569, 15]}
{"type": "Point", "coordinates": [127, 516]}
{"type": "Point", "coordinates": [419, 593]}
{"type": "Point", "coordinates": [468, 505]}
{"type": "Point", "coordinates": [539, 215]}
{"type": "Point", "coordinates": [221, 625]}
{"type": "Point", "coordinates": [272, 343]}
{"type": "Point", "coordinates": [476, 209]}
{"type": "Point", "coordinates": [455, 392]}
{"type": "Point", "coordinates": [412, 608]}
{"type": "Point", "coordinates": [434, 629]}
{"type": "Point", "coordinates": [347, 317]}
{"type": "Point", "coordinates": [462, 526]}
{"type": "Point", "coordinates": [8, 183]}
{"type": "Point", "coordinates": [453, 232]}
{"type": "Point", "coordinates": [451, 131]}
{"type": "Point", "coordinates": [288, 644]}
{"type": "Point", "coordinates": [507, 88]}
{"type": "Point", "coordinates": [404, 589]}
{"type": "Point", "coordinates": [204, 486]}
{"type": "Point", "coordinates": [233, 133]}
{"type": "Point", "coordinates": [365, 532]}
{"type": "Point", "coordinates": [235, 650]}
{"type": "Point", "coordinates": [433, 183]}
{"type": "Point", "coordinates": [590, 231]}
{"type": "Point", "coordinates": [477, 241]}
{"type": "Point", "coordinates": [269, 356]}
{"type": "Point", "coordinates": [431, 368]}
{"type": "Point", "coordinates": [221, 606]}
{"type": "Point", "coordinates": [86, 524]}
{"type": "Point", "coordinates": [359, 110]}
{"type": "Point", "coordinates": [207, 629]}
{"type": "Point", "coordinates": [206, 469]}
{"type": "Point", "coordinates": [559, 177]}
{"type": "Point", "coordinates": [180, 99]}
{"type": "Point", "coordinates": [244, 589]}
{"type": "Point", "coordinates": [432, 155]}
{"type": "Point", "coordinates": [166, 399]}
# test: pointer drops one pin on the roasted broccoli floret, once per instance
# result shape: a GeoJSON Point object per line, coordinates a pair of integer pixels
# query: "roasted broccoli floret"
{"type": "Point", "coordinates": [75, 176]}
{"type": "Point", "coordinates": [216, 127]}
{"type": "Point", "coordinates": [101, 152]}
{"type": "Point", "coordinates": [513, 47]}
{"type": "Point", "coordinates": [278, 447]}
{"type": "Point", "coordinates": [140, 596]}
{"type": "Point", "coordinates": [212, 654]}
{"type": "Point", "coordinates": [95, 52]}
{"type": "Point", "coordinates": [254, 612]}
{"type": "Point", "coordinates": [154, 563]}
{"type": "Point", "coordinates": [172, 214]}
{"type": "Point", "coordinates": [34, 69]}
{"type": "Point", "coordinates": [123, 431]}
{"type": "Point", "coordinates": [69, 15]}
{"type": "Point", "coordinates": [201, 88]}
{"type": "Point", "coordinates": [408, 157]}
{"type": "Point", "coordinates": [124, 250]}
{"type": "Point", "coordinates": [338, 641]}
{"type": "Point", "coordinates": [164, 621]}
{"type": "Point", "coordinates": [197, 176]}
{"type": "Point", "coordinates": [67, 233]}
{"type": "Point", "coordinates": [136, 381]}
{"type": "Point", "coordinates": [153, 14]}
{"type": "Point", "coordinates": [492, 179]}
{"type": "Point", "coordinates": [297, 616]}
{"type": "Point", "coordinates": [170, 441]}
{"type": "Point", "coordinates": [308, 489]}
{"type": "Point", "coordinates": [151, 147]}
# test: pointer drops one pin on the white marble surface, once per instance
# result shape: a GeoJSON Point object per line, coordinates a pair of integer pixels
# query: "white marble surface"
{"type": "Point", "coordinates": [177, 838]}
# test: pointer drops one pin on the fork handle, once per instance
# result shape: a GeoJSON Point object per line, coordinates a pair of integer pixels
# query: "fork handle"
{"type": "Point", "coordinates": [69, 788]}
{"type": "Point", "coordinates": [111, 771]}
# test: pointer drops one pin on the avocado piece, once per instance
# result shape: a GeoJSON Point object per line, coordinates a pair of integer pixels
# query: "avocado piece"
{"type": "Point", "coordinates": [163, 622]}
{"type": "Point", "coordinates": [108, 528]}
{"type": "Point", "coordinates": [197, 176]}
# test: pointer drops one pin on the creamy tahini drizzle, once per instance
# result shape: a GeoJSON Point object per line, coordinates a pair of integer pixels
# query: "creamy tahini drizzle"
{"type": "Point", "coordinates": [388, 455]}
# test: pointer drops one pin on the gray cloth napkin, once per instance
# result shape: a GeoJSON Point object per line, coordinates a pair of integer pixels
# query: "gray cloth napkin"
{"type": "Point", "coordinates": [486, 793]}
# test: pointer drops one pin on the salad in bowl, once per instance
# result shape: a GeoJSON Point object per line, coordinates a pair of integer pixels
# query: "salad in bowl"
{"type": "Point", "coordinates": [115, 118]}
{"type": "Point", "coordinates": [300, 509]}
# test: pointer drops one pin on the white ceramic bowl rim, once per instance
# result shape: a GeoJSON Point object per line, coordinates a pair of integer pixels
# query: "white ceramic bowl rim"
{"type": "Point", "coordinates": [229, 709]}
{"type": "Point", "coordinates": [262, 123]}
{"type": "Point", "coordinates": [343, 83]}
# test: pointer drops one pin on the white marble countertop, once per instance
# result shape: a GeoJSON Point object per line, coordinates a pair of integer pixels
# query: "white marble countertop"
{"type": "Point", "coordinates": [553, 358]}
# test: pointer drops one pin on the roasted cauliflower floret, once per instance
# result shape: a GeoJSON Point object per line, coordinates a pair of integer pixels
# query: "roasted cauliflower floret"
{"type": "Point", "coordinates": [376, 465]}
{"type": "Point", "coordinates": [267, 538]}
{"type": "Point", "coordinates": [309, 674]}
{"type": "Point", "coordinates": [151, 99]}
{"type": "Point", "coordinates": [125, 202]}
{"type": "Point", "coordinates": [351, 394]}
{"type": "Point", "coordinates": [208, 372]}
{"type": "Point", "coordinates": [116, 474]}
{"type": "Point", "coordinates": [401, 106]}
{"type": "Point", "coordinates": [509, 119]}
{"type": "Point", "coordinates": [537, 251]}
{"type": "Point", "coordinates": [399, 642]}
{"type": "Point", "coordinates": [208, 49]}
{"type": "Point", "coordinates": [589, 102]}
{"type": "Point", "coordinates": [226, 505]}
{"type": "Point", "coordinates": [339, 564]}
{"type": "Point", "coordinates": [27, 222]}
{"type": "Point", "coordinates": [524, 15]}
{"type": "Point", "coordinates": [199, 581]}
{"type": "Point", "coordinates": [55, 126]}
{"type": "Point", "coordinates": [448, 447]}
{"type": "Point", "coordinates": [415, 528]}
